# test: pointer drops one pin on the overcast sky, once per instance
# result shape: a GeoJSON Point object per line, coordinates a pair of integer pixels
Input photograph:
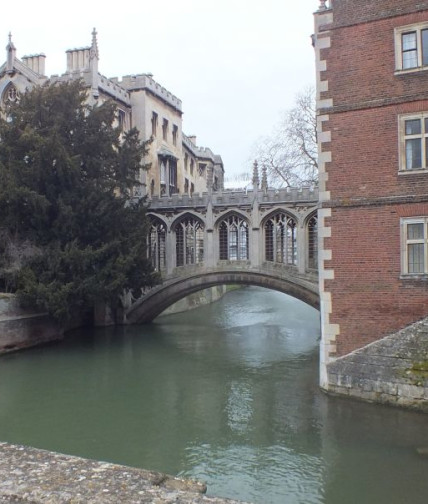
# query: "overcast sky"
{"type": "Point", "coordinates": [235, 64]}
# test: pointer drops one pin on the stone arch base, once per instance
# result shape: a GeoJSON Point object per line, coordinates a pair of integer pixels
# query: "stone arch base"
{"type": "Point", "coordinates": [393, 370]}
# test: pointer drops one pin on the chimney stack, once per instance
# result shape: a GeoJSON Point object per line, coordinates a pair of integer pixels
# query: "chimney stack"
{"type": "Point", "coordinates": [35, 62]}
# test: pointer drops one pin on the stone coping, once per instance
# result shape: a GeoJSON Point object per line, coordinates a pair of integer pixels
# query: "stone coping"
{"type": "Point", "coordinates": [33, 476]}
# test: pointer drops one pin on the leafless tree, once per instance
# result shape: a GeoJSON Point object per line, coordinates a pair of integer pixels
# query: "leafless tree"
{"type": "Point", "coordinates": [289, 154]}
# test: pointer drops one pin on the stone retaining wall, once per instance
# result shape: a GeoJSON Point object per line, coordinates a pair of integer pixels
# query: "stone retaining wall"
{"type": "Point", "coordinates": [22, 329]}
{"type": "Point", "coordinates": [393, 370]}
{"type": "Point", "coordinates": [29, 475]}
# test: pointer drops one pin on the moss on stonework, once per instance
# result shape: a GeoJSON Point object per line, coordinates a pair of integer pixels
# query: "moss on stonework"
{"type": "Point", "coordinates": [418, 373]}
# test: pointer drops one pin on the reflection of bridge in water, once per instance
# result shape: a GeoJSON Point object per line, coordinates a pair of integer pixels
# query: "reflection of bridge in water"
{"type": "Point", "coordinates": [264, 237]}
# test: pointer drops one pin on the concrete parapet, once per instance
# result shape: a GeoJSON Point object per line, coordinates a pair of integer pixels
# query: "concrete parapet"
{"type": "Point", "coordinates": [42, 477]}
{"type": "Point", "coordinates": [393, 370]}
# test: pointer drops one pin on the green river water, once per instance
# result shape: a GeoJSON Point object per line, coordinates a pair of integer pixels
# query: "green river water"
{"type": "Point", "coordinates": [227, 394]}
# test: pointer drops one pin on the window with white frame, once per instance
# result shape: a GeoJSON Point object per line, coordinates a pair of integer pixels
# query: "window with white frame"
{"type": "Point", "coordinates": [414, 142]}
{"type": "Point", "coordinates": [411, 47]}
{"type": "Point", "coordinates": [415, 246]}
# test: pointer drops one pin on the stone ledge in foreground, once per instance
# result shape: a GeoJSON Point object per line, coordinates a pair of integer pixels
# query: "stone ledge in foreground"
{"type": "Point", "coordinates": [33, 476]}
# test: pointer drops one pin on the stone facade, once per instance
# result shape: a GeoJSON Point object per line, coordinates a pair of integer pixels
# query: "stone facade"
{"type": "Point", "coordinates": [372, 93]}
{"type": "Point", "coordinates": [177, 164]}
{"type": "Point", "coordinates": [263, 236]}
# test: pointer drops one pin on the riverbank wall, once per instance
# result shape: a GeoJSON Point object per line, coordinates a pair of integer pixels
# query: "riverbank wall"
{"type": "Point", "coordinates": [393, 370]}
{"type": "Point", "coordinates": [22, 329]}
{"type": "Point", "coordinates": [30, 475]}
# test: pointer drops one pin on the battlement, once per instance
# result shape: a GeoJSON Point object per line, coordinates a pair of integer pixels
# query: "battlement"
{"type": "Point", "coordinates": [237, 198]}
{"type": "Point", "coordinates": [200, 152]}
{"type": "Point", "coordinates": [112, 87]}
{"type": "Point", "coordinates": [146, 82]}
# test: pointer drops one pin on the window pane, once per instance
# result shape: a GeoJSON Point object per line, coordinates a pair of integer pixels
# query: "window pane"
{"type": "Point", "coordinates": [424, 47]}
{"type": "Point", "coordinates": [415, 231]}
{"type": "Point", "coordinates": [409, 41]}
{"type": "Point", "coordinates": [410, 59]}
{"type": "Point", "coordinates": [413, 127]}
{"type": "Point", "coordinates": [426, 152]}
{"type": "Point", "coordinates": [413, 154]}
{"type": "Point", "coordinates": [416, 258]}
{"type": "Point", "coordinates": [426, 125]}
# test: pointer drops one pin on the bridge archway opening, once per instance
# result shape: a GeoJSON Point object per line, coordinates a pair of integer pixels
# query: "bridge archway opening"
{"type": "Point", "coordinates": [162, 297]}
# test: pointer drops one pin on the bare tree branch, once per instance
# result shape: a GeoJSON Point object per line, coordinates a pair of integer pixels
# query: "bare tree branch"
{"type": "Point", "coordinates": [290, 153]}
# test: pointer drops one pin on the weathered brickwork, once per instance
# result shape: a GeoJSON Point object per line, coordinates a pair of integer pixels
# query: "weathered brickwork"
{"type": "Point", "coordinates": [370, 299]}
{"type": "Point", "coordinates": [349, 12]}
{"type": "Point", "coordinates": [364, 191]}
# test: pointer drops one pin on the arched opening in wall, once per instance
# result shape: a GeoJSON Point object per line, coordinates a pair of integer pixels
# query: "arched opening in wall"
{"type": "Point", "coordinates": [157, 245]}
{"type": "Point", "coordinates": [10, 95]}
{"type": "Point", "coordinates": [280, 232]}
{"type": "Point", "coordinates": [312, 240]}
{"type": "Point", "coordinates": [156, 301]}
{"type": "Point", "coordinates": [189, 241]}
{"type": "Point", "coordinates": [234, 238]}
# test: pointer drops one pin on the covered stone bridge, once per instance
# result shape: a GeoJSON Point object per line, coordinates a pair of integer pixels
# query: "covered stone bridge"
{"type": "Point", "coordinates": [263, 237]}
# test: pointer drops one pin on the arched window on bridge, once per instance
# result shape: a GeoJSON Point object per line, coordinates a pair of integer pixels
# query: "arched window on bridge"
{"type": "Point", "coordinates": [156, 247]}
{"type": "Point", "coordinates": [313, 242]}
{"type": "Point", "coordinates": [189, 240]}
{"type": "Point", "coordinates": [233, 232]}
{"type": "Point", "coordinates": [280, 239]}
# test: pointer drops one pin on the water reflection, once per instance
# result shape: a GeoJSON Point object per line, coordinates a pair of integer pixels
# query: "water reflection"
{"type": "Point", "coordinates": [227, 394]}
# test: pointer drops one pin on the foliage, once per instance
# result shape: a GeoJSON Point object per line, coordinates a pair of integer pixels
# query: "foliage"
{"type": "Point", "coordinates": [71, 233]}
{"type": "Point", "coordinates": [289, 154]}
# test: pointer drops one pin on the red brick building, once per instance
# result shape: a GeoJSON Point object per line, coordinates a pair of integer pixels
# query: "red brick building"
{"type": "Point", "coordinates": [372, 92]}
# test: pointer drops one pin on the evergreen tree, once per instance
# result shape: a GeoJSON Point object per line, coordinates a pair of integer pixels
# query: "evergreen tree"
{"type": "Point", "coordinates": [71, 235]}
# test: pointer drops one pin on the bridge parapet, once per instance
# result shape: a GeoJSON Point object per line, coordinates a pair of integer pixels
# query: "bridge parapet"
{"type": "Point", "coordinates": [237, 198]}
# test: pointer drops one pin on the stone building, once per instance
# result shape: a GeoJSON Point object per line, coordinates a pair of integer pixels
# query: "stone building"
{"type": "Point", "coordinates": [178, 165]}
{"type": "Point", "coordinates": [372, 94]}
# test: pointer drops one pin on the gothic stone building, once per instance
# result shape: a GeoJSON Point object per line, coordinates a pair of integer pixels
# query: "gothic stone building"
{"type": "Point", "coordinates": [372, 92]}
{"type": "Point", "coordinates": [178, 165]}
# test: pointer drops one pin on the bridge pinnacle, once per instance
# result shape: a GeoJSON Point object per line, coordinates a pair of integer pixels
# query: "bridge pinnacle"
{"type": "Point", "coordinates": [264, 185]}
{"type": "Point", "coordinates": [255, 176]}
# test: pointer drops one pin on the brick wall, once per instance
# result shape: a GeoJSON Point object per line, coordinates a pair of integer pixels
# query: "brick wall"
{"type": "Point", "coordinates": [366, 194]}
{"type": "Point", "coordinates": [350, 12]}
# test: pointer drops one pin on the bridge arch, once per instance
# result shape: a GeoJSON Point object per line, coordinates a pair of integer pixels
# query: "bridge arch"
{"type": "Point", "coordinates": [161, 297]}
{"type": "Point", "coordinates": [280, 209]}
{"type": "Point", "coordinates": [156, 245]}
{"type": "Point", "coordinates": [189, 233]}
{"type": "Point", "coordinates": [311, 227]}
{"type": "Point", "coordinates": [225, 214]}
{"type": "Point", "coordinates": [183, 215]}
{"type": "Point", "coordinates": [233, 231]}
{"type": "Point", "coordinates": [280, 229]}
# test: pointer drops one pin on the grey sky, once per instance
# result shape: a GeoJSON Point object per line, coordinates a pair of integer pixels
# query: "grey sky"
{"type": "Point", "coordinates": [235, 64]}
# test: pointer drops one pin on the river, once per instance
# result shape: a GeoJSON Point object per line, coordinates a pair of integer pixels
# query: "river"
{"type": "Point", "coordinates": [227, 394]}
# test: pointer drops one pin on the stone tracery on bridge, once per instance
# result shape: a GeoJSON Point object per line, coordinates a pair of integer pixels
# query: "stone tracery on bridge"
{"type": "Point", "coordinates": [263, 237]}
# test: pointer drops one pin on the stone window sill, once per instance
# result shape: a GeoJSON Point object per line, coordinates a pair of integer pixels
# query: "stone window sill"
{"type": "Point", "coordinates": [413, 172]}
{"type": "Point", "coordinates": [411, 70]}
{"type": "Point", "coordinates": [419, 277]}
